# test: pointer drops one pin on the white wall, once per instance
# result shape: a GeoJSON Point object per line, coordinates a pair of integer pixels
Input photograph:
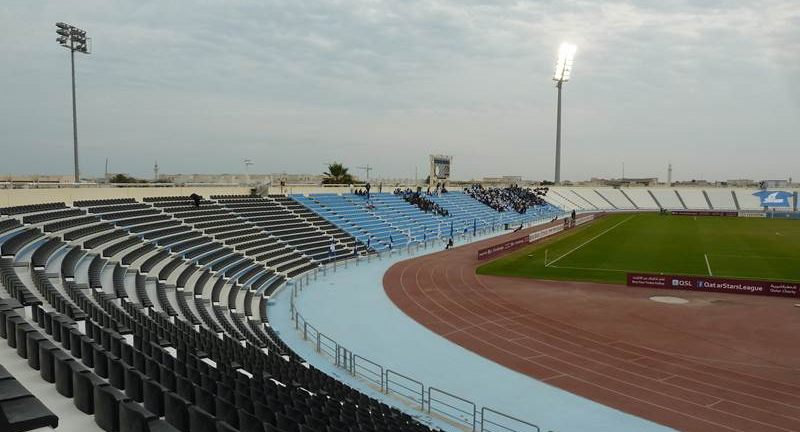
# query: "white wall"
{"type": "Point", "coordinates": [16, 197]}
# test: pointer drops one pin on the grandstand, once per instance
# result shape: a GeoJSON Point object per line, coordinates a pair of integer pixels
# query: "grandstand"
{"type": "Point", "coordinates": [153, 310]}
{"type": "Point", "coordinates": [643, 198]}
{"type": "Point", "coordinates": [126, 303]}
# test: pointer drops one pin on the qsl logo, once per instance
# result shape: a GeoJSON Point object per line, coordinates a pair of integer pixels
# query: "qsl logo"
{"type": "Point", "coordinates": [681, 283]}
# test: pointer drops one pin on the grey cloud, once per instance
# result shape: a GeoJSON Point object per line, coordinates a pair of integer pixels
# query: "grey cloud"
{"type": "Point", "coordinates": [293, 84]}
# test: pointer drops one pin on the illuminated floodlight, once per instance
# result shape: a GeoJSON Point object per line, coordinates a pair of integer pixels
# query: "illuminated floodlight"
{"type": "Point", "coordinates": [566, 56]}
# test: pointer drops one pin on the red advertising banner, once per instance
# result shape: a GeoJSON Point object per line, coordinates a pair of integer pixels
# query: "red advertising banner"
{"type": "Point", "coordinates": [704, 213]}
{"type": "Point", "coordinates": [715, 284]}
{"type": "Point", "coordinates": [502, 248]}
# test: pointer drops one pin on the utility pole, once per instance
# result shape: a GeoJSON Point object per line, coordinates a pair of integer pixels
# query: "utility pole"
{"type": "Point", "coordinates": [366, 168]}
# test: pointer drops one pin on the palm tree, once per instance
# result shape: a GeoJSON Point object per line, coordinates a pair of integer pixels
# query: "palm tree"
{"type": "Point", "coordinates": [337, 174]}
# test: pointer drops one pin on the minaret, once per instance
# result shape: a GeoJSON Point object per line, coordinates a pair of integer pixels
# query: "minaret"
{"type": "Point", "coordinates": [155, 172]}
{"type": "Point", "coordinates": [669, 174]}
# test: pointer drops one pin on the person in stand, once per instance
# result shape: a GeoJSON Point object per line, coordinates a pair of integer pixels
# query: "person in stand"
{"type": "Point", "coordinates": [196, 198]}
{"type": "Point", "coordinates": [449, 243]}
{"type": "Point", "coordinates": [380, 187]}
{"type": "Point", "coordinates": [332, 251]}
{"type": "Point", "coordinates": [573, 215]}
{"type": "Point", "coordinates": [367, 187]}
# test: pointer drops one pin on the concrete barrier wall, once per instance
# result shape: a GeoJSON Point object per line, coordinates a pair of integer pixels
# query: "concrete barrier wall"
{"type": "Point", "coordinates": [16, 197]}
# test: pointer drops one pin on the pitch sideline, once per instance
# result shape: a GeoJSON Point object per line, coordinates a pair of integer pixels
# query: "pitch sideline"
{"type": "Point", "coordinates": [588, 241]}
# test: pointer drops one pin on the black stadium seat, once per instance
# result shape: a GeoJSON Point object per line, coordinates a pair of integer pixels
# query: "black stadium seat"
{"type": "Point", "coordinates": [134, 418]}
{"type": "Point", "coordinates": [19, 409]}
{"type": "Point", "coordinates": [83, 383]}
{"type": "Point", "coordinates": [200, 420]}
{"type": "Point", "coordinates": [250, 246]}
{"type": "Point", "coordinates": [176, 411]}
{"type": "Point", "coordinates": [107, 400]}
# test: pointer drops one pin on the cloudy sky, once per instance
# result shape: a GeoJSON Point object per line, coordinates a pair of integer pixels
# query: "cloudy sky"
{"type": "Point", "coordinates": [711, 85]}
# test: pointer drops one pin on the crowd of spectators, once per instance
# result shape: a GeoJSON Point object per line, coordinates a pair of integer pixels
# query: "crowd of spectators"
{"type": "Point", "coordinates": [512, 198]}
{"type": "Point", "coordinates": [419, 200]}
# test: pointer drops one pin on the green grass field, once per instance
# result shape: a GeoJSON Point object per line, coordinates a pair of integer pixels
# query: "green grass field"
{"type": "Point", "coordinates": [609, 248]}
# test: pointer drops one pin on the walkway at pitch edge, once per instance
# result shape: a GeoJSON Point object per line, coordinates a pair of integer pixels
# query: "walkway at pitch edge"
{"type": "Point", "coordinates": [351, 307]}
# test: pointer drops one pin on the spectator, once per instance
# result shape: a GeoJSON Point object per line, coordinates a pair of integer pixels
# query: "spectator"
{"type": "Point", "coordinates": [424, 204]}
{"type": "Point", "coordinates": [512, 198]}
{"type": "Point", "coordinates": [196, 198]}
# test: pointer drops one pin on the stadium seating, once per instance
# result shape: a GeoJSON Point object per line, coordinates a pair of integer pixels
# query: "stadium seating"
{"type": "Point", "coordinates": [19, 409]}
{"type": "Point", "coordinates": [386, 220]}
{"type": "Point", "coordinates": [151, 314]}
{"type": "Point", "coordinates": [693, 198]}
{"type": "Point", "coordinates": [746, 200]}
{"type": "Point", "coordinates": [557, 200]}
{"type": "Point", "coordinates": [464, 211]}
{"type": "Point", "coordinates": [667, 199]}
{"type": "Point", "coordinates": [721, 199]}
{"type": "Point", "coordinates": [617, 199]}
{"type": "Point", "coordinates": [206, 363]}
{"type": "Point", "coordinates": [641, 198]}
{"type": "Point", "coordinates": [593, 197]}
{"type": "Point", "coordinates": [577, 200]}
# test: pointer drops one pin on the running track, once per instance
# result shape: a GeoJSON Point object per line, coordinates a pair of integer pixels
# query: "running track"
{"type": "Point", "coordinates": [720, 363]}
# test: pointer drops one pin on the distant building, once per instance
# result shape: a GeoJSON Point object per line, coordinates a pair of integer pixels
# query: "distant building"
{"type": "Point", "coordinates": [694, 183]}
{"type": "Point", "coordinates": [741, 182]}
{"type": "Point", "coordinates": [242, 178]}
{"type": "Point", "coordinates": [772, 184]}
{"type": "Point", "coordinates": [502, 180]}
{"type": "Point", "coordinates": [41, 179]}
{"type": "Point", "coordinates": [622, 182]}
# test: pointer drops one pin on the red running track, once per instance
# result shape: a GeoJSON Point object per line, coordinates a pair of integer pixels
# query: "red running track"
{"type": "Point", "coordinates": [722, 362]}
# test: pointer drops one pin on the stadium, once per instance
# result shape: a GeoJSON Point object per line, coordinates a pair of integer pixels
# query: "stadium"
{"type": "Point", "coordinates": [445, 302]}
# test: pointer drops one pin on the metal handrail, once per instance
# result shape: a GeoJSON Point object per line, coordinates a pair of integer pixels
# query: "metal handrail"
{"type": "Point", "coordinates": [421, 387]}
{"type": "Point", "coordinates": [474, 412]}
{"type": "Point", "coordinates": [322, 342]}
{"type": "Point", "coordinates": [355, 366]}
{"type": "Point", "coordinates": [484, 410]}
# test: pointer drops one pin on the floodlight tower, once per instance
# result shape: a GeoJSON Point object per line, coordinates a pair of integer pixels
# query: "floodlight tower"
{"type": "Point", "coordinates": [566, 55]}
{"type": "Point", "coordinates": [73, 39]}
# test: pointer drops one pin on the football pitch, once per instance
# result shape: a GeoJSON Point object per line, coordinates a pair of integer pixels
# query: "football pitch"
{"type": "Point", "coordinates": [612, 246]}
